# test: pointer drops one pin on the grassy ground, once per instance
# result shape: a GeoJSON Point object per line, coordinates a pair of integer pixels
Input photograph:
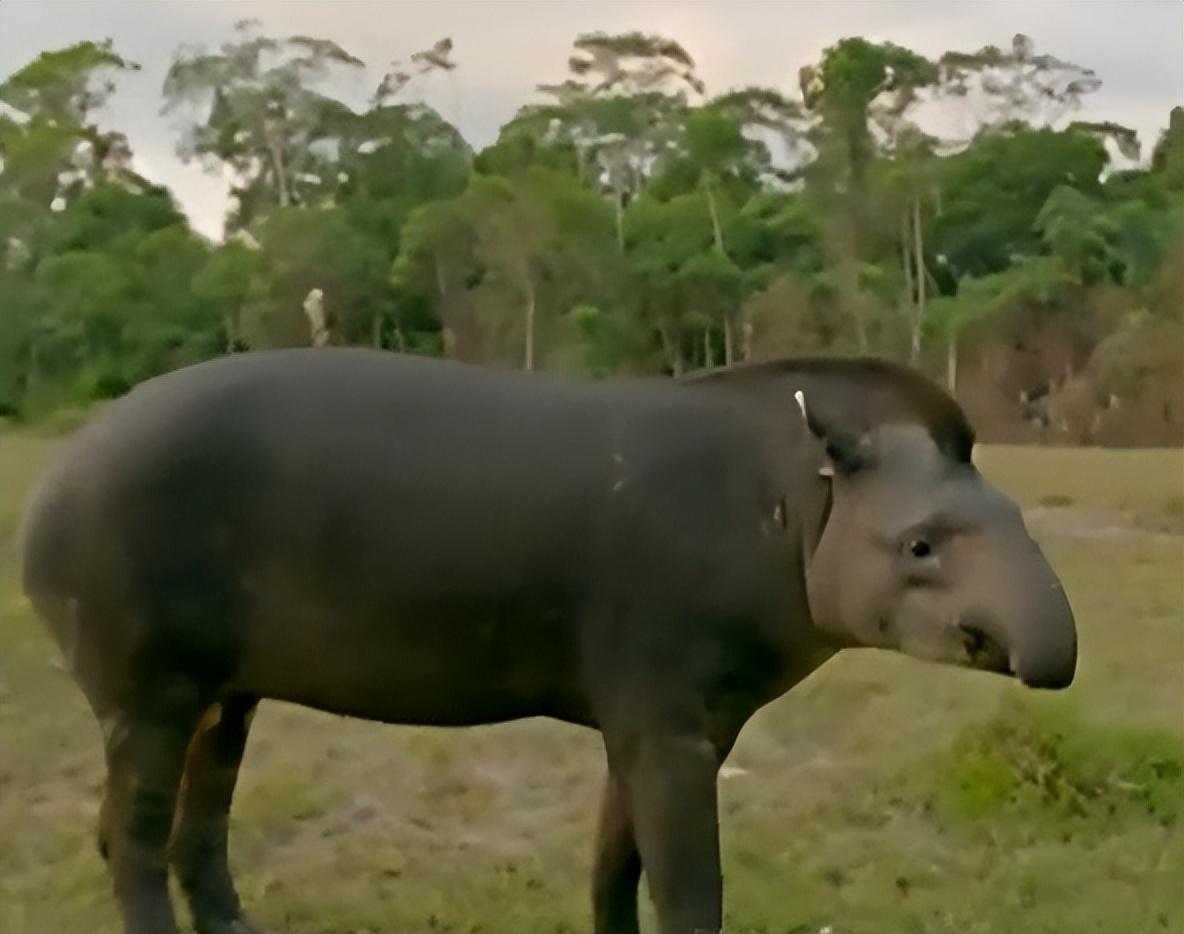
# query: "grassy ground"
{"type": "Point", "coordinates": [882, 796]}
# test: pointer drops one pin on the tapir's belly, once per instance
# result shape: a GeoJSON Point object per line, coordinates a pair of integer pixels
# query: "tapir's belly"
{"type": "Point", "coordinates": [412, 630]}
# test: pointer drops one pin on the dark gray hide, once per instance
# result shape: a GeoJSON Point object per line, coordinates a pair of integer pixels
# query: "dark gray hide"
{"type": "Point", "coordinates": [415, 541]}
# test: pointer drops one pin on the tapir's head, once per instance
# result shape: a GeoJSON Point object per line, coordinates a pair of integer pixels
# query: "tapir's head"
{"type": "Point", "coordinates": [918, 553]}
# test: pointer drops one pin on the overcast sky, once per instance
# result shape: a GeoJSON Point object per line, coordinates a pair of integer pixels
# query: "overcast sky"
{"type": "Point", "coordinates": [505, 47]}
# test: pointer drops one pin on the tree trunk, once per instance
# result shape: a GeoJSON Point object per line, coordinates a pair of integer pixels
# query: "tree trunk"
{"type": "Point", "coordinates": [441, 285]}
{"type": "Point", "coordinates": [708, 351]}
{"type": "Point", "coordinates": [850, 289]}
{"type": "Point", "coordinates": [861, 329]}
{"type": "Point", "coordinates": [849, 268]}
{"type": "Point", "coordinates": [919, 318]}
{"type": "Point", "coordinates": [716, 230]}
{"type": "Point", "coordinates": [231, 332]}
{"type": "Point", "coordinates": [671, 350]}
{"type": "Point", "coordinates": [581, 163]}
{"type": "Point", "coordinates": [320, 332]}
{"type": "Point", "coordinates": [718, 237]}
{"type": "Point", "coordinates": [952, 363]}
{"type": "Point", "coordinates": [530, 305]}
{"type": "Point", "coordinates": [746, 351]}
{"type": "Point", "coordinates": [281, 175]}
{"type": "Point", "coordinates": [447, 333]}
{"type": "Point", "coordinates": [619, 204]}
{"type": "Point", "coordinates": [906, 262]}
{"type": "Point", "coordinates": [33, 376]}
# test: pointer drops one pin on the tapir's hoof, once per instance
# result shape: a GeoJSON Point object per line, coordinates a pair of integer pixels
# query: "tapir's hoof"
{"type": "Point", "coordinates": [240, 925]}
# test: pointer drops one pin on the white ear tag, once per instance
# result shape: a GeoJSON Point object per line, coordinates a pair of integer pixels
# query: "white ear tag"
{"type": "Point", "coordinates": [827, 469]}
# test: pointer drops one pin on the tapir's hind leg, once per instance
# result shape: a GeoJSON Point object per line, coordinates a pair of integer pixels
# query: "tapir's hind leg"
{"type": "Point", "coordinates": [617, 870]}
{"type": "Point", "coordinates": [200, 837]}
{"type": "Point", "coordinates": [145, 757]}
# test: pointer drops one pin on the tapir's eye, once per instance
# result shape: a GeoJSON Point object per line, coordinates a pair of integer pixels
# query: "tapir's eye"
{"type": "Point", "coordinates": [918, 548]}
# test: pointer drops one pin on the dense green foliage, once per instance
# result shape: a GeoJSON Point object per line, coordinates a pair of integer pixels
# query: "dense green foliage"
{"type": "Point", "coordinates": [629, 222]}
{"type": "Point", "coordinates": [1055, 774]}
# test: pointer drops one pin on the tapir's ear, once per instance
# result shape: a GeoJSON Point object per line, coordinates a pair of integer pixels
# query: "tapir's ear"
{"type": "Point", "coordinates": [848, 447]}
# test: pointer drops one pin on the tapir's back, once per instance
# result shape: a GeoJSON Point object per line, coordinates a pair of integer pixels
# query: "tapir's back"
{"type": "Point", "coordinates": [282, 441]}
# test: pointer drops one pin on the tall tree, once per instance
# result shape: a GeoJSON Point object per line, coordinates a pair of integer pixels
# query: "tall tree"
{"type": "Point", "coordinates": [303, 250]}
{"type": "Point", "coordinates": [514, 235]}
{"type": "Point", "coordinates": [252, 108]}
{"type": "Point", "coordinates": [858, 85]}
{"type": "Point", "coordinates": [615, 113]}
{"type": "Point", "coordinates": [858, 82]}
{"type": "Point", "coordinates": [911, 190]}
{"type": "Point", "coordinates": [996, 87]}
{"type": "Point", "coordinates": [50, 143]}
{"type": "Point", "coordinates": [730, 149]}
{"type": "Point", "coordinates": [994, 189]}
{"type": "Point", "coordinates": [435, 264]}
{"type": "Point", "coordinates": [1168, 155]}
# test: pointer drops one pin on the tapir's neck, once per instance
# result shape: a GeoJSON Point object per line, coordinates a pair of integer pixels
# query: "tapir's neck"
{"type": "Point", "coordinates": [814, 511]}
{"type": "Point", "coordinates": [794, 458]}
{"type": "Point", "coordinates": [807, 499]}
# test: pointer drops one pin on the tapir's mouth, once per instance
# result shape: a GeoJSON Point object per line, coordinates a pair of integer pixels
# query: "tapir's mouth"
{"type": "Point", "coordinates": [984, 651]}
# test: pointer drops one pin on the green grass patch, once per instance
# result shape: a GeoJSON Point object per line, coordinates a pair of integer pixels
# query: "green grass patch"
{"type": "Point", "coordinates": [1044, 765]}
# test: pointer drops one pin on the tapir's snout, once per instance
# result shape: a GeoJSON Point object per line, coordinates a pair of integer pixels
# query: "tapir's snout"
{"type": "Point", "coordinates": [1045, 652]}
{"type": "Point", "coordinates": [1024, 612]}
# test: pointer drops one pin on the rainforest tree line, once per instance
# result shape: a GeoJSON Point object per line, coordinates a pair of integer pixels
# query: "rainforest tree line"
{"type": "Point", "coordinates": [629, 221]}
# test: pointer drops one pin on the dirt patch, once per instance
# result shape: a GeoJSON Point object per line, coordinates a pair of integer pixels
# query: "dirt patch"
{"type": "Point", "coordinates": [1102, 524]}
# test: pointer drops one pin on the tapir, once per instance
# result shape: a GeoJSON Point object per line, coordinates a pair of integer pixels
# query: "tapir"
{"type": "Point", "coordinates": [427, 542]}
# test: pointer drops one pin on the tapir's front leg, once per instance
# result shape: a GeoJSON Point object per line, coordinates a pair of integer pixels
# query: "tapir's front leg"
{"type": "Point", "coordinates": [669, 783]}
